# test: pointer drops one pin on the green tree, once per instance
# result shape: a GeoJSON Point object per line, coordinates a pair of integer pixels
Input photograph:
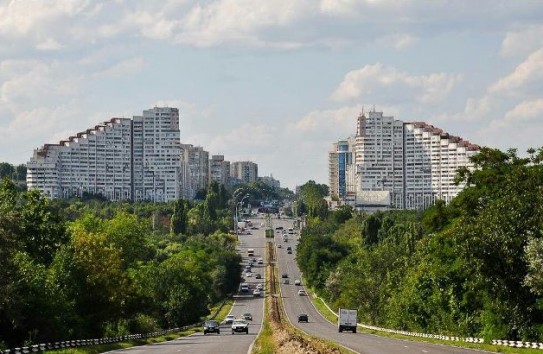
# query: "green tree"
{"type": "Point", "coordinates": [178, 223]}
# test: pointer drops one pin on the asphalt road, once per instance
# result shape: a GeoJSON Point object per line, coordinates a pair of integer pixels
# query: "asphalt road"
{"type": "Point", "coordinates": [225, 342]}
{"type": "Point", "coordinates": [318, 326]}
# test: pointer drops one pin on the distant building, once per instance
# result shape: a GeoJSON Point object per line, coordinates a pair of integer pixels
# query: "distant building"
{"type": "Point", "coordinates": [195, 167]}
{"type": "Point", "coordinates": [120, 159]}
{"type": "Point", "coordinates": [245, 171]}
{"type": "Point", "coordinates": [399, 165]}
{"type": "Point", "coordinates": [270, 181]}
{"type": "Point", "coordinates": [219, 169]}
{"type": "Point", "coordinates": [342, 169]}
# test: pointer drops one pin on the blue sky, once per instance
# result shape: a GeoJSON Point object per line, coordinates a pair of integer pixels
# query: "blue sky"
{"type": "Point", "coordinates": [272, 81]}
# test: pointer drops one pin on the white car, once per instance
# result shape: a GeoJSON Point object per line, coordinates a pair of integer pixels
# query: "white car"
{"type": "Point", "coordinates": [229, 319]}
{"type": "Point", "coordinates": [297, 282]}
{"type": "Point", "coordinates": [240, 326]}
{"type": "Point", "coordinates": [260, 261]}
{"type": "Point", "coordinates": [301, 292]}
{"type": "Point", "coordinates": [248, 275]}
{"type": "Point", "coordinates": [259, 286]}
{"type": "Point", "coordinates": [257, 293]}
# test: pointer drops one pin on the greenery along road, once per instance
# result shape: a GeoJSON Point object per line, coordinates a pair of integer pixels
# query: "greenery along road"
{"type": "Point", "coordinates": [90, 269]}
{"type": "Point", "coordinates": [473, 268]}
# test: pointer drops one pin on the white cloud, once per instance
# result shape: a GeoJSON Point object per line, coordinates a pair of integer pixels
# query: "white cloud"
{"type": "Point", "coordinates": [372, 78]}
{"type": "Point", "coordinates": [525, 111]}
{"type": "Point", "coordinates": [523, 41]}
{"type": "Point", "coordinates": [330, 124]}
{"type": "Point", "coordinates": [125, 67]}
{"type": "Point", "coordinates": [529, 71]}
{"type": "Point", "coordinates": [398, 41]}
{"type": "Point", "coordinates": [49, 44]}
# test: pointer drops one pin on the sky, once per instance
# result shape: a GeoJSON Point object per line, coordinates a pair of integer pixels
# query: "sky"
{"type": "Point", "coordinates": [276, 82]}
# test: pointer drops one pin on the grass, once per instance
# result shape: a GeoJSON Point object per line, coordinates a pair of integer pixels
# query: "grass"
{"type": "Point", "coordinates": [265, 343]}
{"type": "Point", "coordinates": [319, 304]}
{"type": "Point", "coordinates": [221, 311]}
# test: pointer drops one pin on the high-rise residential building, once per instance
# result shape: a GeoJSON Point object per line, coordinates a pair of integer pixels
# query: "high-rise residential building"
{"type": "Point", "coordinates": [403, 165]}
{"type": "Point", "coordinates": [219, 169]}
{"type": "Point", "coordinates": [342, 168]}
{"type": "Point", "coordinates": [121, 159]}
{"type": "Point", "coordinates": [195, 169]}
{"type": "Point", "coordinates": [245, 171]}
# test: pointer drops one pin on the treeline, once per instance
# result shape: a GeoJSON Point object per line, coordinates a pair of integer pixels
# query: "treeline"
{"type": "Point", "coordinates": [473, 267]}
{"type": "Point", "coordinates": [87, 269]}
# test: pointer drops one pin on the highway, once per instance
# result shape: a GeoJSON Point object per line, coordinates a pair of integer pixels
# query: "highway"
{"type": "Point", "coordinates": [318, 326]}
{"type": "Point", "coordinates": [225, 342]}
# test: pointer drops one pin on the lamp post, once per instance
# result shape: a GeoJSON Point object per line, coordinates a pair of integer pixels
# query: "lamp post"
{"type": "Point", "coordinates": [236, 216]}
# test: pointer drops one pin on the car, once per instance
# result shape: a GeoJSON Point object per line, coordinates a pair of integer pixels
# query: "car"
{"type": "Point", "coordinates": [289, 248]}
{"type": "Point", "coordinates": [248, 275]}
{"type": "Point", "coordinates": [297, 282]}
{"type": "Point", "coordinates": [289, 251]}
{"type": "Point", "coordinates": [257, 293]}
{"type": "Point", "coordinates": [240, 325]}
{"type": "Point", "coordinates": [284, 275]}
{"type": "Point", "coordinates": [259, 286]}
{"type": "Point", "coordinates": [286, 281]}
{"type": "Point", "coordinates": [254, 228]}
{"type": "Point", "coordinates": [258, 276]}
{"type": "Point", "coordinates": [248, 233]}
{"type": "Point", "coordinates": [244, 288]}
{"type": "Point", "coordinates": [212, 326]}
{"type": "Point", "coordinates": [279, 228]}
{"type": "Point", "coordinates": [247, 316]}
{"type": "Point", "coordinates": [301, 292]}
{"type": "Point", "coordinates": [229, 319]}
{"type": "Point", "coordinates": [303, 318]}
{"type": "Point", "coordinates": [260, 261]}
{"type": "Point", "coordinates": [278, 245]}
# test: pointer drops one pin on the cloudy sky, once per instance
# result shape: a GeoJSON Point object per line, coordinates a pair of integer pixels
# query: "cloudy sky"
{"type": "Point", "coordinates": [272, 81]}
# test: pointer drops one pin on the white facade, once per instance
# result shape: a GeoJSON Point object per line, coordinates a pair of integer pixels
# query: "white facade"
{"type": "Point", "coordinates": [121, 159]}
{"type": "Point", "coordinates": [195, 169]}
{"type": "Point", "coordinates": [406, 165]}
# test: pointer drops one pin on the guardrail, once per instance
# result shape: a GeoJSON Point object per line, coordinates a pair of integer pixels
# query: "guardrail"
{"type": "Point", "coordinates": [507, 343]}
{"type": "Point", "coordinates": [39, 348]}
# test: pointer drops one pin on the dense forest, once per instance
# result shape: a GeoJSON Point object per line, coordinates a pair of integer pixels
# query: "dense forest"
{"type": "Point", "coordinates": [88, 268]}
{"type": "Point", "coordinates": [473, 267]}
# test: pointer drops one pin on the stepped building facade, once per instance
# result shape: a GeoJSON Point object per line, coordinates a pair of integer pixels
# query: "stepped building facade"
{"type": "Point", "coordinates": [121, 159]}
{"type": "Point", "coordinates": [401, 165]}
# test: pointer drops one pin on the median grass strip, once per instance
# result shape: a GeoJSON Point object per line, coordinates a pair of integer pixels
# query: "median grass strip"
{"type": "Point", "coordinates": [278, 335]}
{"type": "Point", "coordinates": [323, 309]}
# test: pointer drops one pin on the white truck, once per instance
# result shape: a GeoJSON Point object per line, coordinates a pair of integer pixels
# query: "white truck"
{"type": "Point", "coordinates": [347, 320]}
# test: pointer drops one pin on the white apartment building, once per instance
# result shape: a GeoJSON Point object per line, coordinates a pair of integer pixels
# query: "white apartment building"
{"type": "Point", "coordinates": [195, 169]}
{"type": "Point", "coordinates": [121, 159]}
{"type": "Point", "coordinates": [219, 169]}
{"type": "Point", "coordinates": [244, 171]}
{"type": "Point", "coordinates": [405, 165]}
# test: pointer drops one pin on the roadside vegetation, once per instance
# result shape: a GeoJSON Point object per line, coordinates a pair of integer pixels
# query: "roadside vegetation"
{"type": "Point", "coordinates": [89, 268]}
{"type": "Point", "coordinates": [472, 268]}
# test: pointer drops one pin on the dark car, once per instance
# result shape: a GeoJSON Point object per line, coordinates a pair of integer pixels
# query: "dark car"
{"type": "Point", "coordinates": [247, 316]}
{"type": "Point", "coordinates": [258, 276]}
{"type": "Point", "coordinates": [303, 318]}
{"type": "Point", "coordinates": [284, 275]}
{"type": "Point", "coordinates": [279, 228]}
{"type": "Point", "coordinates": [212, 327]}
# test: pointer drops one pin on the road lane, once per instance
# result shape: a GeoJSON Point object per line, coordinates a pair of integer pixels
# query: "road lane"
{"type": "Point", "coordinates": [318, 326]}
{"type": "Point", "coordinates": [225, 342]}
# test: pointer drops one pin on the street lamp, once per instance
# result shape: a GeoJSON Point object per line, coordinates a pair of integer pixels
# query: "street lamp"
{"type": "Point", "coordinates": [236, 217]}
